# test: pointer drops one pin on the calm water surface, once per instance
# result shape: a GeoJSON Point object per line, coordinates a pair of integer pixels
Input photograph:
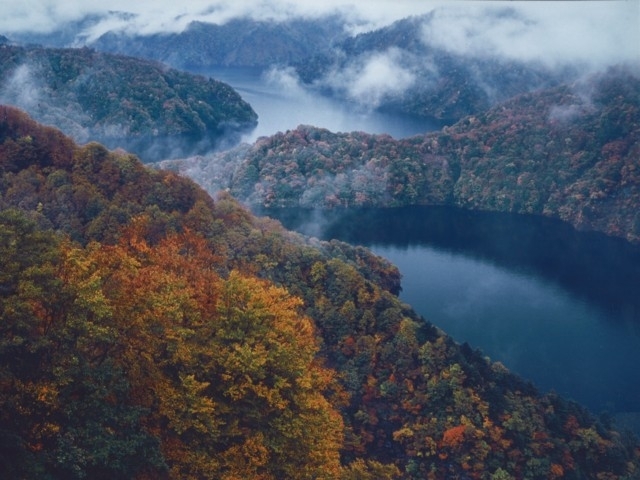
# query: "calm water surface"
{"type": "Point", "coordinates": [556, 306]}
{"type": "Point", "coordinates": [283, 104]}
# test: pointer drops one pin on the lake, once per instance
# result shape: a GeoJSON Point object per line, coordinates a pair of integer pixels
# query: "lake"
{"type": "Point", "coordinates": [559, 307]}
{"type": "Point", "coordinates": [282, 104]}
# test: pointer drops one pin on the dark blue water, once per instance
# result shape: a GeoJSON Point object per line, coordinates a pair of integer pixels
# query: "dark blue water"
{"type": "Point", "coordinates": [559, 307]}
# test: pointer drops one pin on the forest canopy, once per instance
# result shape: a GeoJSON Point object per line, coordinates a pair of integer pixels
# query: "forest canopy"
{"type": "Point", "coordinates": [148, 330]}
{"type": "Point", "coordinates": [127, 102]}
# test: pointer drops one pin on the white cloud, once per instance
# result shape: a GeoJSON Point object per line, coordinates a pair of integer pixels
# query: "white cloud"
{"type": "Point", "coordinates": [20, 88]}
{"type": "Point", "coordinates": [169, 15]}
{"type": "Point", "coordinates": [591, 32]}
{"type": "Point", "coordinates": [287, 81]}
{"type": "Point", "coordinates": [374, 78]}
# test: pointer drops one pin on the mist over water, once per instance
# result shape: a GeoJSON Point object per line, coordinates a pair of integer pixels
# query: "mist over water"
{"type": "Point", "coordinates": [282, 104]}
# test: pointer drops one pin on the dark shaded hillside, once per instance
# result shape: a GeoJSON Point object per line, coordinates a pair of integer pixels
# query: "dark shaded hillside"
{"type": "Point", "coordinates": [569, 152]}
{"type": "Point", "coordinates": [123, 102]}
{"type": "Point", "coordinates": [150, 331]}
{"type": "Point", "coordinates": [237, 43]}
{"type": "Point", "coordinates": [240, 42]}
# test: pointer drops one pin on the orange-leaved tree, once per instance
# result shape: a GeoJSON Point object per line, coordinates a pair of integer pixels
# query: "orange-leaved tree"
{"type": "Point", "coordinates": [226, 367]}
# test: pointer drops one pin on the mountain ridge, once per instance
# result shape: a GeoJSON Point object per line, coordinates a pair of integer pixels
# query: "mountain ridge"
{"type": "Point", "coordinates": [240, 42]}
{"type": "Point", "coordinates": [392, 68]}
{"type": "Point", "coordinates": [439, 83]}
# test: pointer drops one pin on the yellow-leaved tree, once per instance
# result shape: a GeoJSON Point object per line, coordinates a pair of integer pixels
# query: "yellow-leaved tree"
{"type": "Point", "coordinates": [225, 366]}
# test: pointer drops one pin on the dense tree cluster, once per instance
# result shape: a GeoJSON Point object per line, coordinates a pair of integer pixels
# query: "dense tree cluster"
{"type": "Point", "coordinates": [136, 360]}
{"type": "Point", "coordinates": [149, 331]}
{"type": "Point", "coordinates": [569, 152]}
{"type": "Point", "coordinates": [122, 101]}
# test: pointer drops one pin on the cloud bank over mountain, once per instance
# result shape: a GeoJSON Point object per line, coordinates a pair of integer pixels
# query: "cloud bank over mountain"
{"type": "Point", "coordinates": [587, 32]}
{"type": "Point", "coordinates": [591, 33]}
{"type": "Point", "coordinates": [374, 78]}
{"type": "Point", "coordinates": [153, 16]}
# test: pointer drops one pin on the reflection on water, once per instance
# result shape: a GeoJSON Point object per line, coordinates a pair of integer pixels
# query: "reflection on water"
{"type": "Point", "coordinates": [557, 306]}
{"type": "Point", "coordinates": [537, 329]}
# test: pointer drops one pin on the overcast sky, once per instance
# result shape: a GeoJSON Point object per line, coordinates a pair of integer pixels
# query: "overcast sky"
{"type": "Point", "coordinates": [586, 31]}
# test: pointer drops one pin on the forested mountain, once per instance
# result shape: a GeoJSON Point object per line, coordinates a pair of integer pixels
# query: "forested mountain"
{"type": "Point", "coordinates": [136, 104]}
{"type": "Point", "coordinates": [420, 78]}
{"type": "Point", "coordinates": [150, 331]}
{"type": "Point", "coordinates": [240, 42]}
{"type": "Point", "coordinates": [569, 152]}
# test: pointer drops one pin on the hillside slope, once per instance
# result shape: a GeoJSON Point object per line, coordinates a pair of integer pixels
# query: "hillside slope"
{"type": "Point", "coordinates": [150, 331]}
{"type": "Point", "coordinates": [569, 152]}
{"type": "Point", "coordinates": [136, 104]}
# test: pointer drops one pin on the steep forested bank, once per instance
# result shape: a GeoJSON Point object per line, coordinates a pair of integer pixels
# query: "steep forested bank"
{"type": "Point", "coordinates": [150, 331]}
{"type": "Point", "coordinates": [137, 104]}
{"type": "Point", "coordinates": [569, 152]}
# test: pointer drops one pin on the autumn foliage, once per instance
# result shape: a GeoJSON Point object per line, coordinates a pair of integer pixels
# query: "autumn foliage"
{"type": "Point", "coordinates": [148, 331]}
